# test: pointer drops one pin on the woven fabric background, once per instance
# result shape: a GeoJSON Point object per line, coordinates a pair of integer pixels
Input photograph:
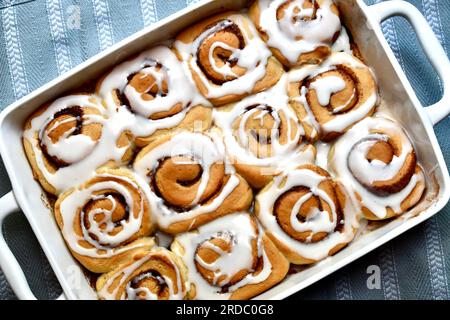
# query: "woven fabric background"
{"type": "Point", "coordinates": [41, 39]}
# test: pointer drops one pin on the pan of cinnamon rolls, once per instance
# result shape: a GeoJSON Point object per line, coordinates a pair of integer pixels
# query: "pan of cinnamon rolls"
{"type": "Point", "coordinates": [212, 142]}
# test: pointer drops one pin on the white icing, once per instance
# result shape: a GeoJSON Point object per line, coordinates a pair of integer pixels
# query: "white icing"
{"type": "Point", "coordinates": [181, 89]}
{"type": "Point", "coordinates": [323, 150]}
{"type": "Point", "coordinates": [350, 155]}
{"type": "Point", "coordinates": [316, 221]}
{"type": "Point", "coordinates": [240, 230]}
{"type": "Point", "coordinates": [342, 43]}
{"type": "Point", "coordinates": [83, 165]}
{"type": "Point", "coordinates": [107, 243]}
{"type": "Point", "coordinates": [69, 148]}
{"type": "Point", "coordinates": [131, 293]}
{"type": "Point", "coordinates": [286, 155]}
{"type": "Point", "coordinates": [253, 57]}
{"type": "Point", "coordinates": [205, 151]}
{"type": "Point", "coordinates": [85, 157]}
{"type": "Point", "coordinates": [162, 64]}
{"type": "Point", "coordinates": [292, 35]}
{"type": "Point", "coordinates": [325, 87]}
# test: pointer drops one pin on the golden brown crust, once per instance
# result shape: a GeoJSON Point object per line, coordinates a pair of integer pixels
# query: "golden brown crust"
{"type": "Point", "coordinates": [239, 199]}
{"type": "Point", "coordinates": [314, 57]}
{"type": "Point", "coordinates": [258, 176]}
{"type": "Point", "coordinates": [233, 37]}
{"type": "Point", "coordinates": [385, 150]}
{"type": "Point", "coordinates": [147, 270]}
{"type": "Point", "coordinates": [280, 267]}
{"type": "Point", "coordinates": [219, 282]}
{"type": "Point", "coordinates": [134, 244]}
{"type": "Point", "coordinates": [282, 212]}
{"type": "Point", "coordinates": [198, 117]}
{"type": "Point", "coordinates": [359, 88]}
{"type": "Point", "coordinates": [176, 181]}
{"type": "Point", "coordinates": [410, 201]}
{"type": "Point", "coordinates": [68, 117]}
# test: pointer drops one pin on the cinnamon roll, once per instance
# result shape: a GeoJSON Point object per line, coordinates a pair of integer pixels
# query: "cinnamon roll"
{"type": "Point", "coordinates": [157, 274]}
{"type": "Point", "coordinates": [306, 214]}
{"type": "Point", "coordinates": [227, 58]}
{"type": "Point", "coordinates": [333, 96]}
{"type": "Point", "coordinates": [64, 139]}
{"type": "Point", "coordinates": [297, 31]}
{"type": "Point", "coordinates": [379, 165]}
{"type": "Point", "coordinates": [190, 183]}
{"type": "Point", "coordinates": [105, 221]}
{"type": "Point", "coordinates": [230, 258]}
{"type": "Point", "coordinates": [263, 136]}
{"type": "Point", "coordinates": [156, 89]}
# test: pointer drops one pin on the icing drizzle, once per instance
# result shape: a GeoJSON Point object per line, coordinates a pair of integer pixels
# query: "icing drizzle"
{"type": "Point", "coordinates": [241, 229]}
{"type": "Point", "coordinates": [271, 103]}
{"type": "Point", "coordinates": [202, 149]}
{"type": "Point", "coordinates": [252, 57]}
{"type": "Point", "coordinates": [325, 87]}
{"type": "Point", "coordinates": [317, 221]}
{"type": "Point", "coordinates": [142, 293]}
{"type": "Point", "coordinates": [352, 166]}
{"type": "Point", "coordinates": [300, 30]}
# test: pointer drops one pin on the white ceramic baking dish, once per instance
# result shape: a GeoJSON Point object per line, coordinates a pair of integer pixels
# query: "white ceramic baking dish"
{"type": "Point", "coordinates": [397, 93]}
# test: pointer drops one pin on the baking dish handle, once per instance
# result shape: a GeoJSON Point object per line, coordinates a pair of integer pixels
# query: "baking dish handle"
{"type": "Point", "coordinates": [8, 262]}
{"type": "Point", "coordinates": [430, 44]}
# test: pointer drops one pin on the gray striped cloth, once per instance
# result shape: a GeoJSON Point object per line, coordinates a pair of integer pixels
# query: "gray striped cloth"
{"type": "Point", "coordinates": [41, 39]}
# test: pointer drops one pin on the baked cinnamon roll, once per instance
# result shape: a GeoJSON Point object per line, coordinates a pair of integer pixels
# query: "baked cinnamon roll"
{"type": "Point", "coordinates": [156, 89]}
{"type": "Point", "coordinates": [333, 96]}
{"type": "Point", "coordinates": [157, 274]}
{"type": "Point", "coordinates": [306, 214]}
{"type": "Point", "coordinates": [190, 184]}
{"type": "Point", "coordinates": [377, 161]}
{"type": "Point", "coordinates": [63, 140]}
{"type": "Point", "coordinates": [297, 31]}
{"type": "Point", "coordinates": [105, 221]}
{"type": "Point", "coordinates": [263, 135]}
{"type": "Point", "coordinates": [227, 58]}
{"type": "Point", "coordinates": [230, 258]}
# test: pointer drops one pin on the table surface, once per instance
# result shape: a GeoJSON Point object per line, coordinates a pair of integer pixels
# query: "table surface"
{"type": "Point", "coordinates": [40, 39]}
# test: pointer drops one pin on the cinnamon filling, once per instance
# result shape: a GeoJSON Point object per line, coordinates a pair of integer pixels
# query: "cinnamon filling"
{"type": "Point", "coordinates": [111, 202]}
{"type": "Point", "coordinates": [285, 203]}
{"type": "Point", "coordinates": [177, 180]}
{"type": "Point", "coordinates": [207, 261]}
{"type": "Point", "coordinates": [262, 127]}
{"type": "Point", "coordinates": [340, 102]}
{"type": "Point", "coordinates": [296, 18]}
{"type": "Point", "coordinates": [384, 151]}
{"type": "Point", "coordinates": [68, 119]}
{"type": "Point", "coordinates": [228, 33]}
{"type": "Point", "coordinates": [151, 281]}
{"type": "Point", "coordinates": [149, 87]}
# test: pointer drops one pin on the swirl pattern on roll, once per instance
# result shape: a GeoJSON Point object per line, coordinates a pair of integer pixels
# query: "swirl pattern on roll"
{"type": "Point", "coordinates": [306, 214]}
{"type": "Point", "coordinates": [297, 31]}
{"type": "Point", "coordinates": [263, 136]}
{"type": "Point", "coordinates": [154, 275]}
{"type": "Point", "coordinates": [64, 139]}
{"type": "Point", "coordinates": [227, 58]}
{"type": "Point", "coordinates": [103, 220]}
{"type": "Point", "coordinates": [333, 96]}
{"type": "Point", "coordinates": [230, 258]}
{"type": "Point", "coordinates": [155, 87]}
{"type": "Point", "coordinates": [190, 182]}
{"type": "Point", "coordinates": [378, 163]}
